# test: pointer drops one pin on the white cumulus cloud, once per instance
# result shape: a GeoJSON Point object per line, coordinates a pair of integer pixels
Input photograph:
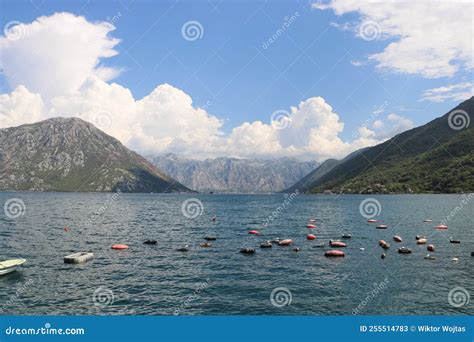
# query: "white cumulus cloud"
{"type": "Point", "coordinates": [426, 37]}
{"type": "Point", "coordinates": [56, 54]}
{"type": "Point", "coordinates": [454, 92]}
{"type": "Point", "coordinates": [55, 70]}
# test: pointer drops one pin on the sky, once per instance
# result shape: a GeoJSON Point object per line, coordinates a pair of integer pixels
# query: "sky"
{"type": "Point", "coordinates": [305, 79]}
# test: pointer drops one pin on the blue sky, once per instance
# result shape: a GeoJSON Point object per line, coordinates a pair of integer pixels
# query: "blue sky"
{"type": "Point", "coordinates": [228, 71]}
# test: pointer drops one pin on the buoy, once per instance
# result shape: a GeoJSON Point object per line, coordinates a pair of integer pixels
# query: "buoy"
{"type": "Point", "coordinates": [472, 254]}
{"type": "Point", "coordinates": [455, 259]}
{"type": "Point", "coordinates": [119, 247]}
{"type": "Point", "coordinates": [254, 232]}
{"type": "Point", "coordinates": [346, 236]}
{"type": "Point", "coordinates": [384, 244]}
{"type": "Point", "coordinates": [429, 257]}
{"type": "Point", "coordinates": [441, 226]}
{"type": "Point", "coordinates": [427, 220]}
{"type": "Point", "coordinates": [319, 245]}
{"type": "Point", "coordinates": [311, 237]}
{"type": "Point", "coordinates": [285, 242]}
{"type": "Point", "coordinates": [418, 237]}
{"type": "Point", "coordinates": [206, 244]}
{"type": "Point", "coordinates": [383, 255]}
{"type": "Point", "coordinates": [183, 249]}
{"type": "Point", "coordinates": [78, 258]}
{"type": "Point", "coordinates": [275, 241]}
{"type": "Point", "coordinates": [397, 238]}
{"type": "Point", "coordinates": [66, 229]}
{"type": "Point", "coordinates": [296, 249]}
{"type": "Point", "coordinates": [454, 240]}
{"type": "Point", "coordinates": [381, 226]}
{"type": "Point", "coordinates": [371, 221]}
{"type": "Point", "coordinates": [336, 243]}
{"type": "Point", "coordinates": [150, 242]}
{"type": "Point", "coordinates": [404, 250]}
{"type": "Point", "coordinates": [267, 244]}
{"type": "Point", "coordinates": [247, 251]}
{"type": "Point", "coordinates": [312, 221]}
{"type": "Point", "coordinates": [210, 238]}
{"type": "Point", "coordinates": [362, 249]}
{"type": "Point", "coordinates": [430, 248]}
{"type": "Point", "coordinates": [421, 241]}
{"type": "Point", "coordinates": [310, 226]}
{"type": "Point", "coordinates": [334, 253]}
{"type": "Point", "coordinates": [214, 219]}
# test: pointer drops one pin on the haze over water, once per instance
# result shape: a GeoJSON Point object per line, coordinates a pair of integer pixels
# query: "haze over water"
{"type": "Point", "coordinates": [158, 280]}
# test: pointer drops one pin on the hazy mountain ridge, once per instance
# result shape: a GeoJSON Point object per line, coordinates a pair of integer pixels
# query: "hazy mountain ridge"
{"type": "Point", "coordinates": [69, 154]}
{"type": "Point", "coordinates": [434, 157]}
{"type": "Point", "coordinates": [232, 174]}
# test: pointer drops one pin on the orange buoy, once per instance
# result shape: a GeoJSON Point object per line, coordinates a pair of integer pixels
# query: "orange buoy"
{"type": "Point", "coordinates": [441, 226]}
{"type": "Point", "coordinates": [310, 226]}
{"type": "Point", "coordinates": [119, 246]}
{"type": "Point", "coordinates": [311, 237]}
{"type": "Point", "coordinates": [430, 248]}
{"type": "Point", "coordinates": [371, 221]}
{"type": "Point", "coordinates": [285, 242]}
{"type": "Point", "coordinates": [337, 243]}
{"type": "Point", "coordinates": [334, 253]}
{"type": "Point", "coordinates": [254, 232]}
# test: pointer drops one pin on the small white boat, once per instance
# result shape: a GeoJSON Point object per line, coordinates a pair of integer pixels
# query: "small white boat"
{"type": "Point", "coordinates": [9, 266]}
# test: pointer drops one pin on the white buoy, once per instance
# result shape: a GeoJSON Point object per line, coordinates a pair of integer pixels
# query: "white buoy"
{"type": "Point", "coordinates": [78, 258]}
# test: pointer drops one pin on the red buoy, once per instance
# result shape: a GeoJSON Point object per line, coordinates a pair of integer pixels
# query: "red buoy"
{"type": "Point", "coordinates": [310, 226]}
{"type": "Point", "coordinates": [254, 232]}
{"type": "Point", "coordinates": [119, 246]}
{"type": "Point", "coordinates": [311, 237]}
{"type": "Point", "coordinates": [337, 244]}
{"type": "Point", "coordinates": [441, 226]}
{"type": "Point", "coordinates": [371, 221]}
{"type": "Point", "coordinates": [334, 253]}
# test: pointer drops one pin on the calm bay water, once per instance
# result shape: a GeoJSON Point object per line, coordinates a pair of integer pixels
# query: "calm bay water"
{"type": "Point", "coordinates": [158, 280]}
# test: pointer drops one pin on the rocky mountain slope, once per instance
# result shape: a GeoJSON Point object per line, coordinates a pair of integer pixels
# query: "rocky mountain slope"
{"type": "Point", "coordinates": [69, 154]}
{"type": "Point", "coordinates": [234, 175]}
{"type": "Point", "coordinates": [436, 157]}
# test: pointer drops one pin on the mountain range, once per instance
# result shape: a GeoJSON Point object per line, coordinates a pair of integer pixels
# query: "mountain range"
{"type": "Point", "coordinates": [234, 175]}
{"type": "Point", "coordinates": [436, 157]}
{"type": "Point", "coordinates": [69, 154]}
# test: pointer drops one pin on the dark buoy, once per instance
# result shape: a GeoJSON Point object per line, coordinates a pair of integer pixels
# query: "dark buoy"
{"type": "Point", "coordinates": [383, 255]}
{"type": "Point", "coordinates": [267, 244]}
{"type": "Point", "coordinates": [150, 242]}
{"type": "Point", "coordinates": [183, 249]}
{"type": "Point", "coordinates": [247, 250]}
{"type": "Point", "coordinates": [205, 244]}
{"type": "Point", "coordinates": [346, 236]}
{"type": "Point", "coordinates": [404, 250]}
{"type": "Point", "coordinates": [296, 249]}
{"type": "Point", "coordinates": [210, 238]}
{"type": "Point", "coordinates": [454, 240]}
